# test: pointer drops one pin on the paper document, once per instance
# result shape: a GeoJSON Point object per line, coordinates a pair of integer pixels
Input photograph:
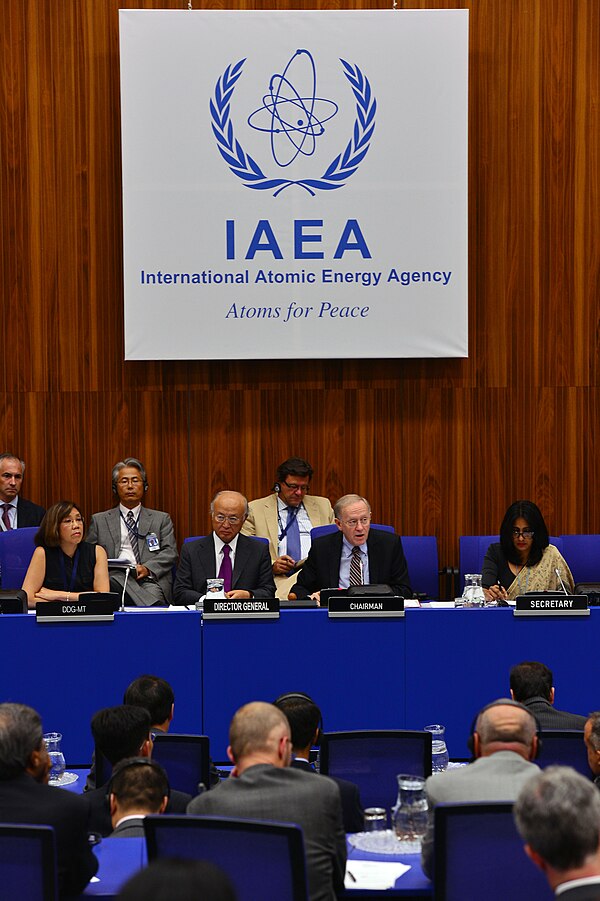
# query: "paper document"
{"type": "Point", "coordinates": [373, 874]}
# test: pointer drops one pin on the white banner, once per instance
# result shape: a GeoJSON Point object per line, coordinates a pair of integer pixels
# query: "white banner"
{"type": "Point", "coordinates": [294, 183]}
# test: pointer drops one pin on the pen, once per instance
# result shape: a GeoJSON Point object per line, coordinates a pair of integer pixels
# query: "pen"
{"type": "Point", "coordinates": [351, 875]}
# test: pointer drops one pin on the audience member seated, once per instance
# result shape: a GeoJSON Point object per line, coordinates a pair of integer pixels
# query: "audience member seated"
{"type": "Point", "coordinates": [135, 533]}
{"type": "Point", "coordinates": [242, 563]}
{"type": "Point", "coordinates": [15, 511]}
{"type": "Point", "coordinates": [523, 560]}
{"type": "Point", "coordinates": [504, 743]}
{"type": "Point", "coordinates": [156, 696]}
{"type": "Point", "coordinates": [557, 814]}
{"type": "Point", "coordinates": [263, 786]}
{"type": "Point", "coordinates": [138, 787]}
{"type": "Point", "coordinates": [178, 880]}
{"type": "Point", "coordinates": [63, 565]}
{"type": "Point", "coordinates": [286, 517]}
{"type": "Point", "coordinates": [355, 555]}
{"type": "Point", "coordinates": [25, 796]}
{"type": "Point", "coordinates": [591, 737]}
{"type": "Point", "coordinates": [305, 721]}
{"type": "Point", "coordinates": [121, 732]}
{"type": "Point", "coordinates": [531, 684]}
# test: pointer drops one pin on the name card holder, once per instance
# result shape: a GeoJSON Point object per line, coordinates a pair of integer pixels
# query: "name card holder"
{"type": "Point", "coordinates": [89, 608]}
{"type": "Point", "coordinates": [252, 608]}
{"type": "Point", "coordinates": [344, 607]}
{"type": "Point", "coordinates": [552, 605]}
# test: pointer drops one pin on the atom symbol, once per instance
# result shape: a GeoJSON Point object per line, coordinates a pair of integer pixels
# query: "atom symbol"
{"type": "Point", "coordinates": [293, 121]}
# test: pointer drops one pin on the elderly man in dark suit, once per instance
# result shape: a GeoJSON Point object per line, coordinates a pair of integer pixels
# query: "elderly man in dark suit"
{"type": "Point", "coordinates": [263, 786]}
{"type": "Point", "coordinates": [15, 511]}
{"type": "Point", "coordinates": [243, 563]}
{"type": "Point", "coordinates": [355, 555]}
{"type": "Point", "coordinates": [144, 537]}
{"type": "Point", "coordinates": [26, 798]}
{"type": "Point", "coordinates": [531, 683]}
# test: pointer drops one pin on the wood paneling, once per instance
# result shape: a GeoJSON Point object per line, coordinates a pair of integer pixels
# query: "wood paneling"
{"type": "Point", "coordinates": [439, 446]}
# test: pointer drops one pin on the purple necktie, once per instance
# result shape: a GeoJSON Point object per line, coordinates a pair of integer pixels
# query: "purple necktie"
{"type": "Point", "coordinates": [5, 517]}
{"type": "Point", "coordinates": [225, 570]}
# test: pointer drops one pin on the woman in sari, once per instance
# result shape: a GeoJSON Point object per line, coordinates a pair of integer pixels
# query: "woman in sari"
{"type": "Point", "coordinates": [523, 560]}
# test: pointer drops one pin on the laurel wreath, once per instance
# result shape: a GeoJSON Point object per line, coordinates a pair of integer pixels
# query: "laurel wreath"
{"type": "Point", "coordinates": [246, 168]}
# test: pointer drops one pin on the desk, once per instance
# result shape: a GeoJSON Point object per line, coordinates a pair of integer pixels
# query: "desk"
{"type": "Point", "coordinates": [413, 884]}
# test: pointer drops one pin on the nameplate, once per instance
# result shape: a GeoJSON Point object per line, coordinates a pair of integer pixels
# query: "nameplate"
{"type": "Point", "coordinates": [252, 608]}
{"type": "Point", "coordinates": [344, 607]}
{"type": "Point", "coordinates": [552, 605]}
{"type": "Point", "coordinates": [80, 611]}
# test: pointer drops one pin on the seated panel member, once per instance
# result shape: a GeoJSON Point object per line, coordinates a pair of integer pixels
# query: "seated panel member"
{"type": "Point", "coordinates": [15, 511]}
{"type": "Point", "coordinates": [241, 562]}
{"type": "Point", "coordinates": [63, 565]}
{"type": "Point", "coordinates": [355, 555]}
{"type": "Point", "coordinates": [144, 537]}
{"type": "Point", "coordinates": [286, 518]}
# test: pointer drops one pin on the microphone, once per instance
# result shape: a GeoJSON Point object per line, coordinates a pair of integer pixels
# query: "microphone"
{"type": "Point", "coordinates": [562, 584]}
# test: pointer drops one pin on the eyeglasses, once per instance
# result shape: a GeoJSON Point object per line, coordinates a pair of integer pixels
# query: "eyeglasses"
{"type": "Point", "coordinates": [233, 520]}
{"type": "Point", "coordinates": [526, 533]}
{"type": "Point", "coordinates": [135, 480]}
{"type": "Point", "coordinates": [69, 522]}
{"type": "Point", "coordinates": [293, 487]}
{"type": "Point", "coordinates": [352, 523]}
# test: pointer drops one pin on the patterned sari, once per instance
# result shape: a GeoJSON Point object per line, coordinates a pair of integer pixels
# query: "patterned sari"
{"type": "Point", "coordinates": [542, 576]}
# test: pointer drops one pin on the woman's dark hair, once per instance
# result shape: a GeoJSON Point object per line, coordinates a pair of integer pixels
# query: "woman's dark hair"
{"type": "Point", "coordinates": [48, 534]}
{"type": "Point", "coordinates": [532, 515]}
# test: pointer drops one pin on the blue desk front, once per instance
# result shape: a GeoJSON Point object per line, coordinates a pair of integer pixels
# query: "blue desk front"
{"type": "Point", "coordinates": [69, 671]}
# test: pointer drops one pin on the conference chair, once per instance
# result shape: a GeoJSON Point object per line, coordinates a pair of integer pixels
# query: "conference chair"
{"type": "Point", "coordinates": [472, 549]}
{"type": "Point", "coordinates": [16, 551]}
{"type": "Point", "coordinates": [27, 863]}
{"type": "Point", "coordinates": [421, 554]}
{"type": "Point", "coordinates": [478, 853]}
{"type": "Point", "coordinates": [186, 760]}
{"type": "Point", "coordinates": [582, 553]}
{"type": "Point", "coordinates": [564, 747]}
{"type": "Point", "coordinates": [263, 860]}
{"type": "Point", "coordinates": [373, 758]}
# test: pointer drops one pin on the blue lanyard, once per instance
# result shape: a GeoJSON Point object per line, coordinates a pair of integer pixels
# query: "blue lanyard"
{"type": "Point", "coordinates": [132, 529]}
{"type": "Point", "coordinates": [63, 570]}
{"type": "Point", "coordinates": [290, 521]}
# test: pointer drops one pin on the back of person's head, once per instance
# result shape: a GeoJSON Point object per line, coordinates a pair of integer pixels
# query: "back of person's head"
{"type": "Point", "coordinates": [302, 714]}
{"type": "Point", "coordinates": [506, 722]}
{"type": "Point", "coordinates": [139, 783]}
{"type": "Point", "coordinates": [557, 814]}
{"type": "Point", "coordinates": [256, 728]}
{"type": "Point", "coordinates": [179, 880]}
{"type": "Point", "coordinates": [152, 693]}
{"type": "Point", "coordinates": [532, 515]}
{"type": "Point", "coordinates": [121, 731]}
{"type": "Point", "coordinates": [531, 679]}
{"type": "Point", "coordinates": [20, 734]}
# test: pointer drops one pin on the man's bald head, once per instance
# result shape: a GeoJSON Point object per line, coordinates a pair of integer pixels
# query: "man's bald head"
{"type": "Point", "coordinates": [505, 723]}
{"type": "Point", "coordinates": [257, 730]}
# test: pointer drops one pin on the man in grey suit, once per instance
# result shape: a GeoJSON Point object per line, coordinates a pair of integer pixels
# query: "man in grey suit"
{"type": "Point", "coordinates": [143, 537]}
{"type": "Point", "coordinates": [243, 563]}
{"type": "Point", "coordinates": [504, 744]}
{"type": "Point", "coordinates": [15, 511]}
{"type": "Point", "coordinates": [558, 817]}
{"type": "Point", "coordinates": [138, 787]}
{"type": "Point", "coordinates": [531, 683]}
{"type": "Point", "coordinates": [263, 786]}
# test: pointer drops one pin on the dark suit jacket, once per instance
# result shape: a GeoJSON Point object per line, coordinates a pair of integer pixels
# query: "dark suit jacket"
{"type": "Point", "coordinates": [550, 718]}
{"type": "Point", "coordinates": [266, 792]}
{"type": "Point", "coordinates": [590, 892]}
{"type": "Point", "coordinates": [23, 800]}
{"type": "Point", "coordinates": [251, 571]}
{"type": "Point", "coordinates": [100, 820]}
{"type": "Point", "coordinates": [28, 514]}
{"type": "Point", "coordinates": [387, 564]}
{"type": "Point", "coordinates": [133, 828]}
{"type": "Point", "coordinates": [352, 810]}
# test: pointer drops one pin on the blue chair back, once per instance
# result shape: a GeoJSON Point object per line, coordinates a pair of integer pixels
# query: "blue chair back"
{"type": "Point", "coordinates": [186, 760]}
{"type": "Point", "coordinates": [16, 551]}
{"type": "Point", "coordinates": [472, 550]}
{"type": "Point", "coordinates": [28, 863]}
{"type": "Point", "coordinates": [319, 531]}
{"type": "Point", "coordinates": [422, 558]}
{"type": "Point", "coordinates": [373, 758]}
{"type": "Point", "coordinates": [263, 860]}
{"type": "Point", "coordinates": [564, 747]}
{"type": "Point", "coordinates": [582, 553]}
{"type": "Point", "coordinates": [478, 853]}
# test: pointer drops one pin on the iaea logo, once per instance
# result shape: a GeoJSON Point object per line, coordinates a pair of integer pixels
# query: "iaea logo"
{"type": "Point", "coordinates": [294, 121]}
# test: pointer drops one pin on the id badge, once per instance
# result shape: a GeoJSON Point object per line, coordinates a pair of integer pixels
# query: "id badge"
{"type": "Point", "coordinates": [152, 541]}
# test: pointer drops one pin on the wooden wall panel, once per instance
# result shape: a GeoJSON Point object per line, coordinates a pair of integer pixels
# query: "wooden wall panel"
{"type": "Point", "coordinates": [439, 446]}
